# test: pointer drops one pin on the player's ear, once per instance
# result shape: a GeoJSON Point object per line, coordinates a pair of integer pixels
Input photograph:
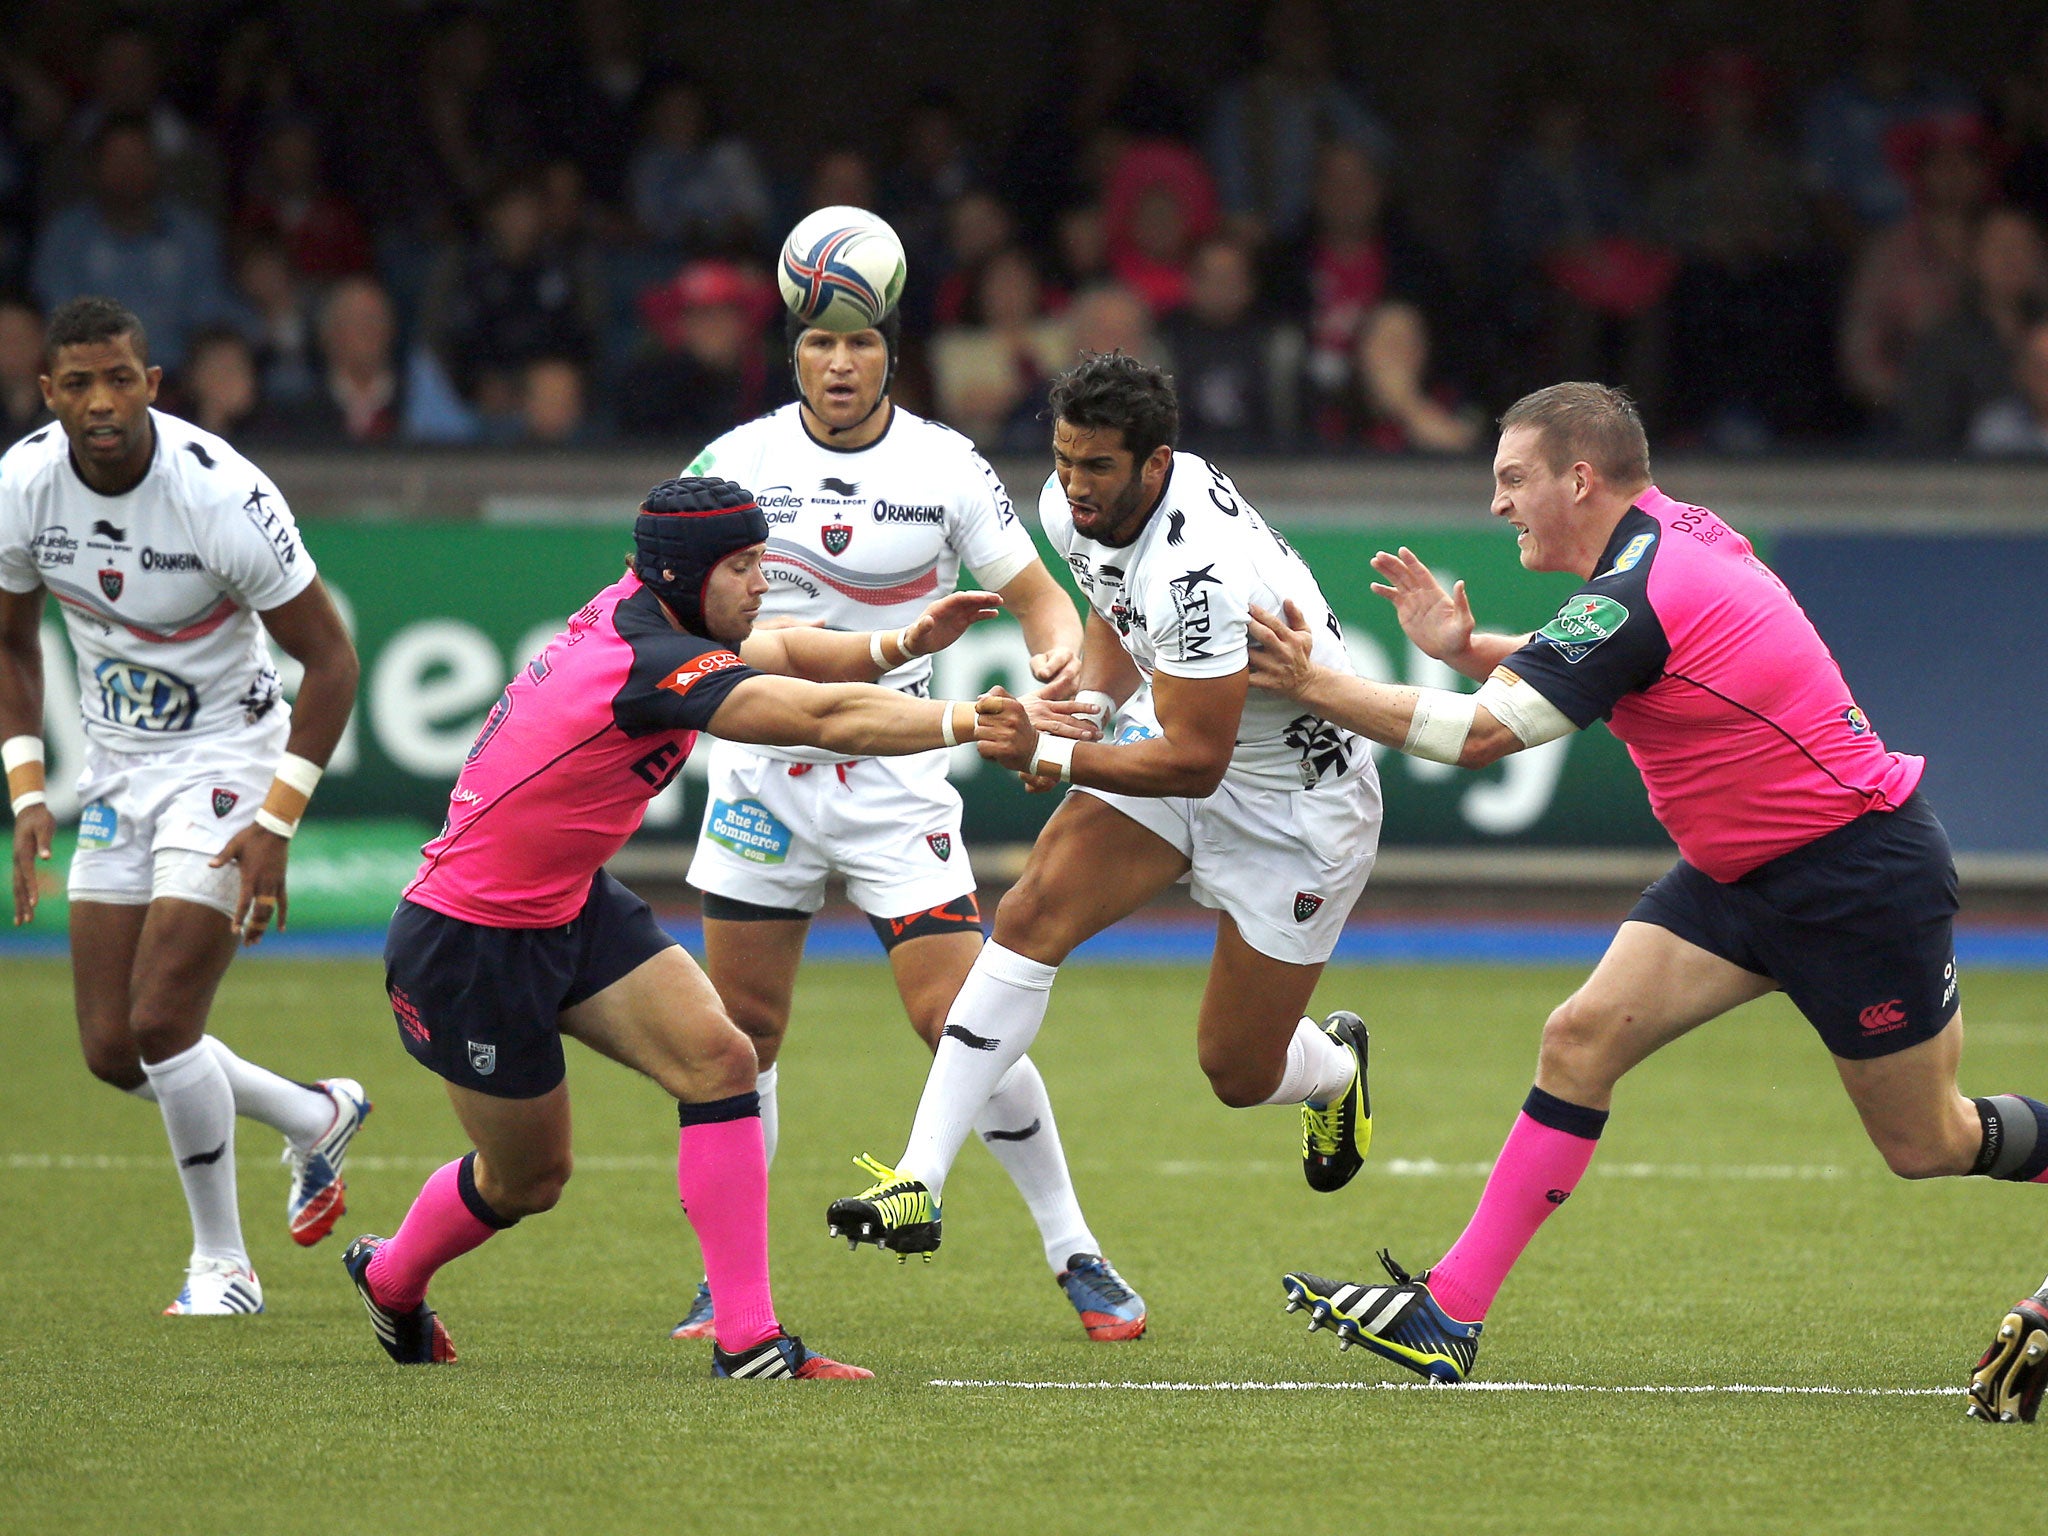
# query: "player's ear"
{"type": "Point", "coordinates": [153, 376]}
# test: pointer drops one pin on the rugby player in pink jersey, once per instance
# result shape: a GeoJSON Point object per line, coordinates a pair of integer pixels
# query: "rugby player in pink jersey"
{"type": "Point", "coordinates": [1809, 861]}
{"type": "Point", "coordinates": [513, 934]}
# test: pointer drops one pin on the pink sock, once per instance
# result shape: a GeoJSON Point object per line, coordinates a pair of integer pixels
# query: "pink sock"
{"type": "Point", "coordinates": [447, 1220]}
{"type": "Point", "coordinates": [722, 1180]}
{"type": "Point", "coordinates": [1544, 1159]}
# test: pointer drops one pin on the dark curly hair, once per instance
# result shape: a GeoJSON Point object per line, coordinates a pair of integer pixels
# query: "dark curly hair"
{"type": "Point", "coordinates": [84, 321]}
{"type": "Point", "coordinates": [1110, 389]}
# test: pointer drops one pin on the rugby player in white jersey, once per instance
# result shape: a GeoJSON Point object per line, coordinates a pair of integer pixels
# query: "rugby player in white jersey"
{"type": "Point", "coordinates": [1271, 815]}
{"type": "Point", "coordinates": [163, 546]}
{"type": "Point", "coordinates": [873, 512]}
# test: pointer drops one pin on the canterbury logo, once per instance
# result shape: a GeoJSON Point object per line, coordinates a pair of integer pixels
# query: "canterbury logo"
{"type": "Point", "coordinates": [203, 1159]}
{"type": "Point", "coordinates": [1882, 1018]}
{"type": "Point", "coordinates": [689, 675]}
{"type": "Point", "coordinates": [971, 1040]}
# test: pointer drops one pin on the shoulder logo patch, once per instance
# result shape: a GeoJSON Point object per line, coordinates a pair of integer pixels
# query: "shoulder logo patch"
{"type": "Point", "coordinates": [1582, 624]}
{"type": "Point", "coordinates": [695, 670]}
{"type": "Point", "coordinates": [1632, 553]}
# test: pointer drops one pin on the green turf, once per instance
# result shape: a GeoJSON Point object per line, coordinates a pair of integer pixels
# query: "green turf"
{"type": "Point", "coordinates": [1741, 1232]}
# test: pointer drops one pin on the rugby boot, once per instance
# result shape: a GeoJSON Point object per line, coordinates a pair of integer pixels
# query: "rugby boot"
{"type": "Point", "coordinates": [895, 1213]}
{"type": "Point", "coordinates": [1401, 1321]}
{"type": "Point", "coordinates": [1110, 1310]}
{"type": "Point", "coordinates": [218, 1288]}
{"type": "Point", "coordinates": [782, 1358]}
{"type": "Point", "coordinates": [2006, 1386]}
{"type": "Point", "coordinates": [696, 1323]}
{"type": "Point", "coordinates": [318, 1198]}
{"type": "Point", "coordinates": [413, 1337]}
{"type": "Point", "coordinates": [1334, 1138]}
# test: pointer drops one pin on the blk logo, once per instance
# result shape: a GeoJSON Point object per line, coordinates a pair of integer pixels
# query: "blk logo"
{"type": "Point", "coordinates": [839, 487]}
{"type": "Point", "coordinates": [103, 529]}
{"type": "Point", "coordinates": [1557, 1196]}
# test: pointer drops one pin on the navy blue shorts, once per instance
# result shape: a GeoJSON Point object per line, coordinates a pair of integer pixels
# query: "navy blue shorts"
{"type": "Point", "coordinates": [1858, 927]}
{"type": "Point", "coordinates": [481, 1006]}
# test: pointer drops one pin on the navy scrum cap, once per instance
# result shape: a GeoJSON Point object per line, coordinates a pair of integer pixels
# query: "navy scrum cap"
{"type": "Point", "coordinates": [684, 529]}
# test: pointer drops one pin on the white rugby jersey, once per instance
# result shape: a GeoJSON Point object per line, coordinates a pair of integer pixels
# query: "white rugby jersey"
{"type": "Point", "coordinates": [159, 587]}
{"type": "Point", "coordinates": [866, 538]}
{"type": "Point", "coordinates": [1178, 595]}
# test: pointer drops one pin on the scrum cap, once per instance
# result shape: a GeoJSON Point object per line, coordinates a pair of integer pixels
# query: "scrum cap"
{"type": "Point", "coordinates": [684, 529]}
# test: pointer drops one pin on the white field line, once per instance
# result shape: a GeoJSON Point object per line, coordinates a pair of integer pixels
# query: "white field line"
{"type": "Point", "coordinates": [1425, 1386]}
{"type": "Point", "coordinates": [1396, 1167]}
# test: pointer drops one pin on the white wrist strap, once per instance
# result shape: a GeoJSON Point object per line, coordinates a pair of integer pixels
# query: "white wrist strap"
{"type": "Point", "coordinates": [1098, 704]}
{"type": "Point", "coordinates": [301, 773]}
{"type": "Point", "coordinates": [946, 726]}
{"type": "Point", "coordinates": [21, 803]}
{"type": "Point", "coordinates": [1054, 755]}
{"type": "Point", "coordinates": [19, 751]}
{"type": "Point", "coordinates": [270, 821]}
{"type": "Point", "coordinates": [875, 650]}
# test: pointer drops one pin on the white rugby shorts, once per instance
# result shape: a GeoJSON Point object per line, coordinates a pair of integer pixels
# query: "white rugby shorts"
{"type": "Point", "coordinates": [888, 826]}
{"type": "Point", "coordinates": [152, 820]}
{"type": "Point", "coordinates": [1286, 864]}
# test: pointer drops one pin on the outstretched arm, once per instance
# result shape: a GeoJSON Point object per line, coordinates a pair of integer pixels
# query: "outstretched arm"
{"type": "Point", "coordinates": [1439, 622]}
{"type": "Point", "coordinates": [1469, 730]}
{"type": "Point", "coordinates": [841, 656]}
{"type": "Point", "coordinates": [1198, 718]}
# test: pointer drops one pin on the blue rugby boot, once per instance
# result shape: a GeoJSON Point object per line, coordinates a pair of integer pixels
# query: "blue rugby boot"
{"type": "Point", "coordinates": [697, 1323]}
{"type": "Point", "coordinates": [1401, 1321]}
{"type": "Point", "coordinates": [1110, 1310]}
{"type": "Point", "coordinates": [318, 1197]}
{"type": "Point", "coordinates": [410, 1338]}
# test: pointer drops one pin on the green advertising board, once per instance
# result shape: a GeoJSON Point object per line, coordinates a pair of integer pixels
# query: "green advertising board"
{"type": "Point", "coordinates": [444, 613]}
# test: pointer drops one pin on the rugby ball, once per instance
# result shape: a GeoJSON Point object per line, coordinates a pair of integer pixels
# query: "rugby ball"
{"type": "Point", "coordinates": [842, 269]}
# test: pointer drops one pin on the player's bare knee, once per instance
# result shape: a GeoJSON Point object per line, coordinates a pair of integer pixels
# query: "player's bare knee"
{"type": "Point", "coordinates": [1574, 1051]}
{"type": "Point", "coordinates": [116, 1064]}
{"type": "Point", "coordinates": [763, 1024]}
{"type": "Point", "coordinates": [532, 1190]}
{"type": "Point", "coordinates": [162, 1034]}
{"type": "Point", "coordinates": [1030, 923]}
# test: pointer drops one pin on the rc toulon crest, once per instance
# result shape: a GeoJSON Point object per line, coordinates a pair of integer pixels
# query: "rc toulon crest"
{"type": "Point", "coordinates": [224, 801]}
{"type": "Point", "coordinates": [942, 843]}
{"type": "Point", "coordinates": [836, 536]}
{"type": "Point", "coordinates": [1306, 905]}
{"type": "Point", "coordinates": [110, 583]}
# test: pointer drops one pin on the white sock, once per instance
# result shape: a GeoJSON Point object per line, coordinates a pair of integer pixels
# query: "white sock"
{"type": "Point", "coordinates": [771, 1113]}
{"type": "Point", "coordinates": [199, 1116]}
{"type": "Point", "coordinates": [301, 1114]}
{"type": "Point", "coordinates": [143, 1090]}
{"type": "Point", "coordinates": [990, 1026]}
{"type": "Point", "coordinates": [1318, 1068]}
{"type": "Point", "coordinates": [1017, 1126]}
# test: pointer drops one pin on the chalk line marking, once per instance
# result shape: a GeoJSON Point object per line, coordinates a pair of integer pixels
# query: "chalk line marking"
{"type": "Point", "coordinates": [1425, 1386]}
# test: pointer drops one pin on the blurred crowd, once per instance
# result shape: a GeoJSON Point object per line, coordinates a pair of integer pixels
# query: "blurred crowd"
{"type": "Point", "coordinates": [499, 252]}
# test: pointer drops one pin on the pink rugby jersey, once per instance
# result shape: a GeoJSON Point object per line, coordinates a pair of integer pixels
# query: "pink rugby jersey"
{"type": "Point", "coordinates": [1700, 660]}
{"type": "Point", "coordinates": [590, 730]}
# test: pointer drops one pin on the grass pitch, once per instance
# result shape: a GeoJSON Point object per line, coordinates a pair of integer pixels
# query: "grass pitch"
{"type": "Point", "coordinates": [1736, 1230]}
